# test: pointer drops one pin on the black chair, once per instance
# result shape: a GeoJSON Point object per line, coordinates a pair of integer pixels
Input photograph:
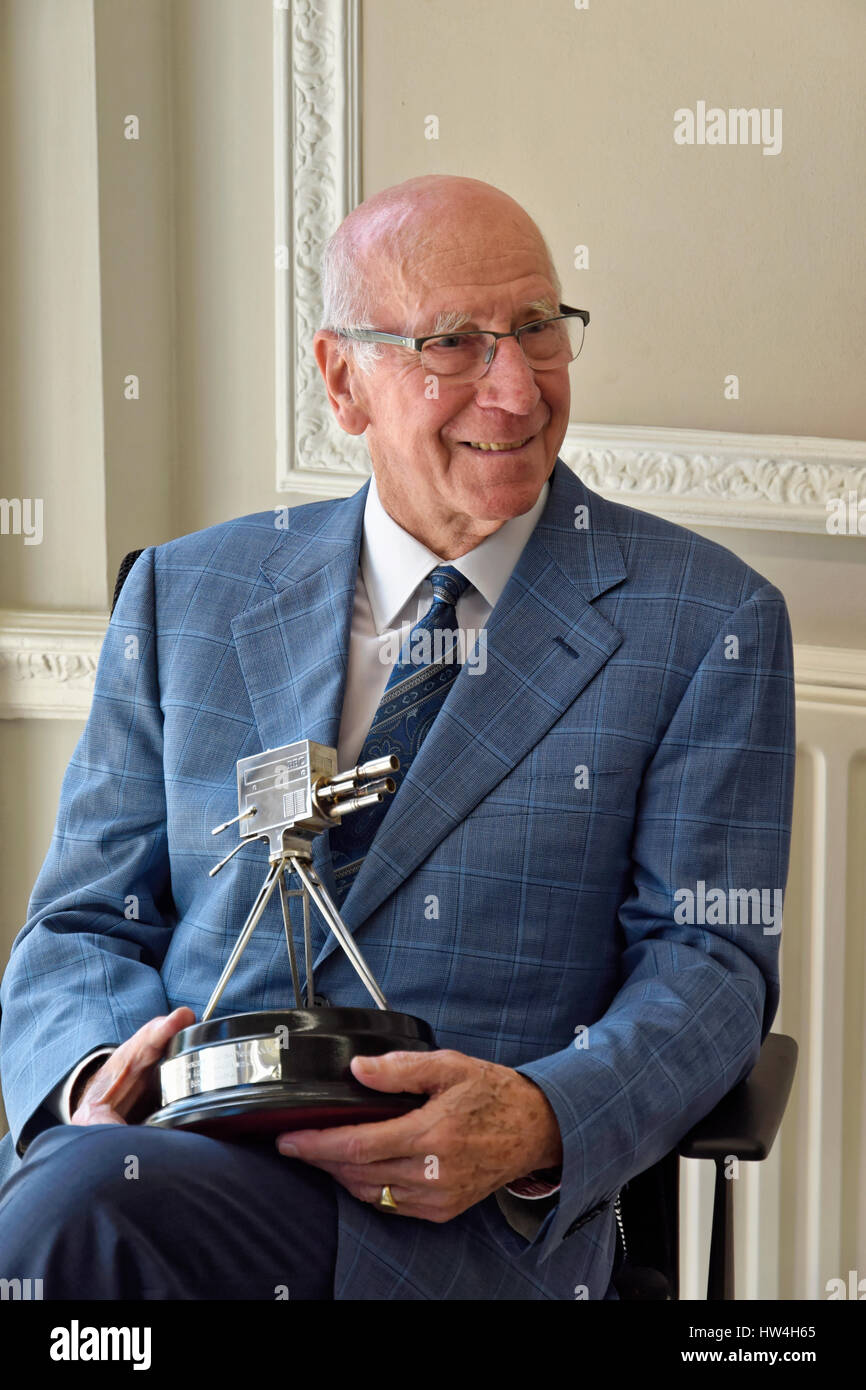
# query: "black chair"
{"type": "Point", "coordinates": [743, 1125]}
{"type": "Point", "coordinates": [126, 565]}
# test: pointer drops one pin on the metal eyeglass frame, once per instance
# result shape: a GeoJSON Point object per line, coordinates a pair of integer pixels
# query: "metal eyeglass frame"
{"type": "Point", "coordinates": [373, 335]}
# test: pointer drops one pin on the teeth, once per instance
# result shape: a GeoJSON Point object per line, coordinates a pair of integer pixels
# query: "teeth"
{"type": "Point", "coordinates": [518, 444]}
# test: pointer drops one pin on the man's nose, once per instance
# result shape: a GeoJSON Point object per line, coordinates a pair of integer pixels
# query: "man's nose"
{"type": "Point", "coordinates": [509, 381]}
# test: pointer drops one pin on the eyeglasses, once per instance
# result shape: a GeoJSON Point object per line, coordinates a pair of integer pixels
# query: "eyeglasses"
{"type": "Point", "coordinates": [463, 357]}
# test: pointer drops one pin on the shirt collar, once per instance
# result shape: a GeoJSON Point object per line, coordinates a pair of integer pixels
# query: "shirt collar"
{"type": "Point", "coordinates": [393, 563]}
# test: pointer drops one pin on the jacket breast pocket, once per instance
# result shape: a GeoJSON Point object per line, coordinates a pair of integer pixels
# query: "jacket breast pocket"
{"type": "Point", "coordinates": [579, 788]}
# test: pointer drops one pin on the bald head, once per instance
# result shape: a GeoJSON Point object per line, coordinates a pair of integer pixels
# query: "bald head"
{"type": "Point", "coordinates": [419, 235]}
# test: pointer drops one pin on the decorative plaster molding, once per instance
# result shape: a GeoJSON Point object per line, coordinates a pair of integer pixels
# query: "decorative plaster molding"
{"type": "Point", "coordinates": [48, 663]}
{"type": "Point", "coordinates": [695, 477]}
{"type": "Point", "coordinates": [317, 177]}
{"type": "Point", "coordinates": [704, 478]}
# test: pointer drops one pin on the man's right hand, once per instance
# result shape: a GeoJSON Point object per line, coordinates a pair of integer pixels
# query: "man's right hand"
{"type": "Point", "coordinates": [111, 1094]}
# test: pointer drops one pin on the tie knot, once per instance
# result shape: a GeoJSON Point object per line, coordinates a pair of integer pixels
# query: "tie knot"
{"type": "Point", "coordinates": [448, 583]}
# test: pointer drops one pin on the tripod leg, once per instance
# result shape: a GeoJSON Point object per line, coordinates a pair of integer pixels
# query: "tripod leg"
{"type": "Point", "coordinates": [249, 926]}
{"type": "Point", "coordinates": [332, 917]}
{"type": "Point", "coordinates": [308, 950]}
{"type": "Point", "coordinates": [287, 923]}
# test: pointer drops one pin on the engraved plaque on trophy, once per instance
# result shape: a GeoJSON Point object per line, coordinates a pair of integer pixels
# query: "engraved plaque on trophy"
{"type": "Point", "coordinates": [280, 1069]}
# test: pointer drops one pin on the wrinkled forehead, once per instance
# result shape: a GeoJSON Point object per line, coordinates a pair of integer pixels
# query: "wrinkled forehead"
{"type": "Point", "coordinates": [476, 266]}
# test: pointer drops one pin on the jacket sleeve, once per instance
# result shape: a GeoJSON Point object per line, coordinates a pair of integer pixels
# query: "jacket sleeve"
{"type": "Point", "coordinates": [84, 969]}
{"type": "Point", "coordinates": [699, 982]}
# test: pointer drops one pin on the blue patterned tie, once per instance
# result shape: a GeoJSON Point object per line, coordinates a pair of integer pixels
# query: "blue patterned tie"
{"type": "Point", "coordinates": [412, 698]}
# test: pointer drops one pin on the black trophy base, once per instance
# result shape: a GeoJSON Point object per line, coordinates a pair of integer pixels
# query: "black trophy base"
{"type": "Point", "coordinates": [259, 1074]}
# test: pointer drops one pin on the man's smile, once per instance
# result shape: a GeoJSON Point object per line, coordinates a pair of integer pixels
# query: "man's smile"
{"type": "Point", "coordinates": [502, 445]}
{"type": "Point", "coordinates": [518, 444]}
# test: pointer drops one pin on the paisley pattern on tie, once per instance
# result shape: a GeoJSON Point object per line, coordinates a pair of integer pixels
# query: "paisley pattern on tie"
{"type": "Point", "coordinates": [412, 698]}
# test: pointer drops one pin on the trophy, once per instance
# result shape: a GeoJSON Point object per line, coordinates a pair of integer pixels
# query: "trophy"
{"type": "Point", "coordinates": [261, 1073]}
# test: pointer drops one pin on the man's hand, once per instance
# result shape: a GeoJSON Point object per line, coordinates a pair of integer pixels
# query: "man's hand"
{"type": "Point", "coordinates": [483, 1126]}
{"type": "Point", "coordinates": [126, 1077]}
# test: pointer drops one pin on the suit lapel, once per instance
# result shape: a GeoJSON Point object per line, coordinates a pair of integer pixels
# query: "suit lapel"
{"type": "Point", "coordinates": [545, 642]}
{"type": "Point", "coordinates": [293, 646]}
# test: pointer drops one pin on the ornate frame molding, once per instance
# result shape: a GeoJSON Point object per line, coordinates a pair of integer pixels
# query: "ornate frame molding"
{"type": "Point", "coordinates": [696, 477]}
{"type": "Point", "coordinates": [317, 181]}
{"type": "Point", "coordinates": [707, 478]}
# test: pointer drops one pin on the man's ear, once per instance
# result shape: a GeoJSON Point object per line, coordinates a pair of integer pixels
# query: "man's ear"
{"type": "Point", "coordinates": [333, 362]}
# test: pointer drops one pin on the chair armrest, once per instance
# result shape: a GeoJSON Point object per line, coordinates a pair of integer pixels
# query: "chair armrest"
{"type": "Point", "coordinates": [745, 1122]}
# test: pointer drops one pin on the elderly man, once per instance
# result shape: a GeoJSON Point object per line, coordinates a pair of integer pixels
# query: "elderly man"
{"type": "Point", "coordinates": [618, 736]}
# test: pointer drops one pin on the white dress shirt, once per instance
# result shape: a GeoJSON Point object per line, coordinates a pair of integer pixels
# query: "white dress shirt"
{"type": "Point", "coordinates": [393, 592]}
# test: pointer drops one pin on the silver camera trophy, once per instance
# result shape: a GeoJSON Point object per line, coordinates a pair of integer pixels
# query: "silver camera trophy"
{"type": "Point", "coordinates": [260, 1073]}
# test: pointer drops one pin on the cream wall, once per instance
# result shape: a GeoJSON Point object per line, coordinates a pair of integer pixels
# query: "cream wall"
{"type": "Point", "coordinates": [155, 257]}
{"type": "Point", "coordinates": [702, 261]}
{"type": "Point", "coordinates": [51, 426]}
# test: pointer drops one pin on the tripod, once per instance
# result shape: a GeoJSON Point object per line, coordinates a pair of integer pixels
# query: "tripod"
{"type": "Point", "coordinates": [298, 859]}
{"type": "Point", "coordinates": [293, 794]}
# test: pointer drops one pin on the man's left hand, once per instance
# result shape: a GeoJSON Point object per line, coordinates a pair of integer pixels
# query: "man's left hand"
{"type": "Point", "coordinates": [484, 1125]}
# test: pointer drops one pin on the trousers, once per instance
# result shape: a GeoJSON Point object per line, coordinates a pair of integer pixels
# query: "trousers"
{"type": "Point", "coordinates": [126, 1212]}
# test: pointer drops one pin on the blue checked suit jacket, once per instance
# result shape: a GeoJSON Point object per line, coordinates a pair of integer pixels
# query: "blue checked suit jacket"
{"type": "Point", "coordinates": [518, 904]}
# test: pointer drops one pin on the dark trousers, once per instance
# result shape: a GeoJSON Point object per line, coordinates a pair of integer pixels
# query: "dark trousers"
{"type": "Point", "coordinates": [116, 1212]}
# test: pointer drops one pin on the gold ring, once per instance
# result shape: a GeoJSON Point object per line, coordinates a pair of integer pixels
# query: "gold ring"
{"type": "Point", "coordinates": [386, 1199]}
